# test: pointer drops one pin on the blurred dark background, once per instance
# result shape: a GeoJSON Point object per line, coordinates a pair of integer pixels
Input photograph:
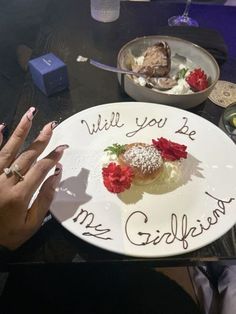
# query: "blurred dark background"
{"type": "Point", "coordinates": [19, 26]}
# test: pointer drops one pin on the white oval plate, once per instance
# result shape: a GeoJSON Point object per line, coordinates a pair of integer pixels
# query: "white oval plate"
{"type": "Point", "coordinates": [145, 221]}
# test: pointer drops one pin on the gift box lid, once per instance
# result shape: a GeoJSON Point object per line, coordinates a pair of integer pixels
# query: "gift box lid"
{"type": "Point", "coordinates": [46, 63]}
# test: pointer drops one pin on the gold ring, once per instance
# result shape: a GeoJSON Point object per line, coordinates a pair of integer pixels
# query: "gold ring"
{"type": "Point", "coordinates": [7, 171]}
{"type": "Point", "coordinates": [15, 169]}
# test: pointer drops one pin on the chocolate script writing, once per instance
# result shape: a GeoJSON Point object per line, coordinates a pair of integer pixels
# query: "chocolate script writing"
{"type": "Point", "coordinates": [115, 122]}
{"type": "Point", "coordinates": [86, 219]}
{"type": "Point", "coordinates": [179, 227]}
{"type": "Point", "coordinates": [147, 123]}
{"type": "Point", "coordinates": [185, 130]}
{"type": "Point", "coordinates": [105, 124]}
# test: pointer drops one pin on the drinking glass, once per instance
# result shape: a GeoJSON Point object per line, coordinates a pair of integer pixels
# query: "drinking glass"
{"type": "Point", "coordinates": [184, 19]}
{"type": "Point", "coordinates": [105, 10]}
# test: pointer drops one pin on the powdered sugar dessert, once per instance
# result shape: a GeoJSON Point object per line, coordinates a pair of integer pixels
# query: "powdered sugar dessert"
{"type": "Point", "coordinates": [141, 164]}
{"type": "Point", "coordinates": [145, 161]}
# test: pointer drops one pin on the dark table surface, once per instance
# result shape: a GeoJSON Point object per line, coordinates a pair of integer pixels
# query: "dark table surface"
{"type": "Point", "coordinates": [66, 29]}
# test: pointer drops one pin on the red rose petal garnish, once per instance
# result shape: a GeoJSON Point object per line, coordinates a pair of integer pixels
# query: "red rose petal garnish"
{"type": "Point", "coordinates": [197, 80]}
{"type": "Point", "coordinates": [170, 150]}
{"type": "Point", "coordinates": [117, 178]}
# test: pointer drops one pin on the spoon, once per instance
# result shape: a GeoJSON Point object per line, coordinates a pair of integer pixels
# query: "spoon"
{"type": "Point", "coordinates": [108, 67]}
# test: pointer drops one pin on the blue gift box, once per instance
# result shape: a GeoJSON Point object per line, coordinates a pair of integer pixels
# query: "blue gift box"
{"type": "Point", "coordinates": [49, 74]}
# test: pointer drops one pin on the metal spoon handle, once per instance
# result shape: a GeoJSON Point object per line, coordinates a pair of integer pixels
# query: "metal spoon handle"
{"type": "Point", "coordinates": [112, 69]}
{"type": "Point", "coordinates": [108, 67]}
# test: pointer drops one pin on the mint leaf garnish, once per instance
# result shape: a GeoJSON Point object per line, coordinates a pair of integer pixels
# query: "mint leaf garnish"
{"type": "Point", "coordinates": [181, 74]}
{"type": "Point", "coordinates": [116, 149]}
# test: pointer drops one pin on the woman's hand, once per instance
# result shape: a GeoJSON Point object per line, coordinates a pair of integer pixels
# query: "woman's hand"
{"type": "Point", "coordinates": [18, 222]}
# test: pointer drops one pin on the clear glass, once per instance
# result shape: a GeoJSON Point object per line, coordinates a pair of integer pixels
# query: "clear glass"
{"type": "Point", "coordinates": [228, 121]}
{"type": "Point", "coordinates": [105, 10]}
{"type": "Point", "coordinates": [184, 19]}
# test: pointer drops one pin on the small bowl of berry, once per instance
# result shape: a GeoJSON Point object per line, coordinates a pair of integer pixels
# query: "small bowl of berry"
{"type": "Point", "coordinates": [170, 71]}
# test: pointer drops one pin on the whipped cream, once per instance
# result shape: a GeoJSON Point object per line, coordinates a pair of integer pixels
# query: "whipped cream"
{"type": "Point", "coordinates": [107, 158]}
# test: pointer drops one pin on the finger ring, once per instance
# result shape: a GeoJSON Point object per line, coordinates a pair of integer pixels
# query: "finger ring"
{"type": "Point", "coordinates": [7, 171]}
{"type": "Point", "coordinates": [16, 170]}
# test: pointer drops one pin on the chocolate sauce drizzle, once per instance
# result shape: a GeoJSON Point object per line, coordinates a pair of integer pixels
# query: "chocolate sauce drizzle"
{"type": "Point", "coordinates": [114, 122]}
{"type": "Point", "coordinates": [185, 130]}
{"type": "Point", "coordinates": [179, 229]}
{"type": "Point", "coordinates": [87, 219]}
{"type": "Point", "coordinates": [101, 125]}
{"type": "Point", "coordinates": [153, 122]}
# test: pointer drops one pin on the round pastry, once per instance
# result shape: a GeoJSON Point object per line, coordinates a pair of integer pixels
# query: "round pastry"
{"type": "Point", "coordinates": [145, 161]}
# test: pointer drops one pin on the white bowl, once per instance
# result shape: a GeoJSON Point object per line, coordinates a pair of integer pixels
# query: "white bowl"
{"type": "Point", "coordinates": [196, 54]}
